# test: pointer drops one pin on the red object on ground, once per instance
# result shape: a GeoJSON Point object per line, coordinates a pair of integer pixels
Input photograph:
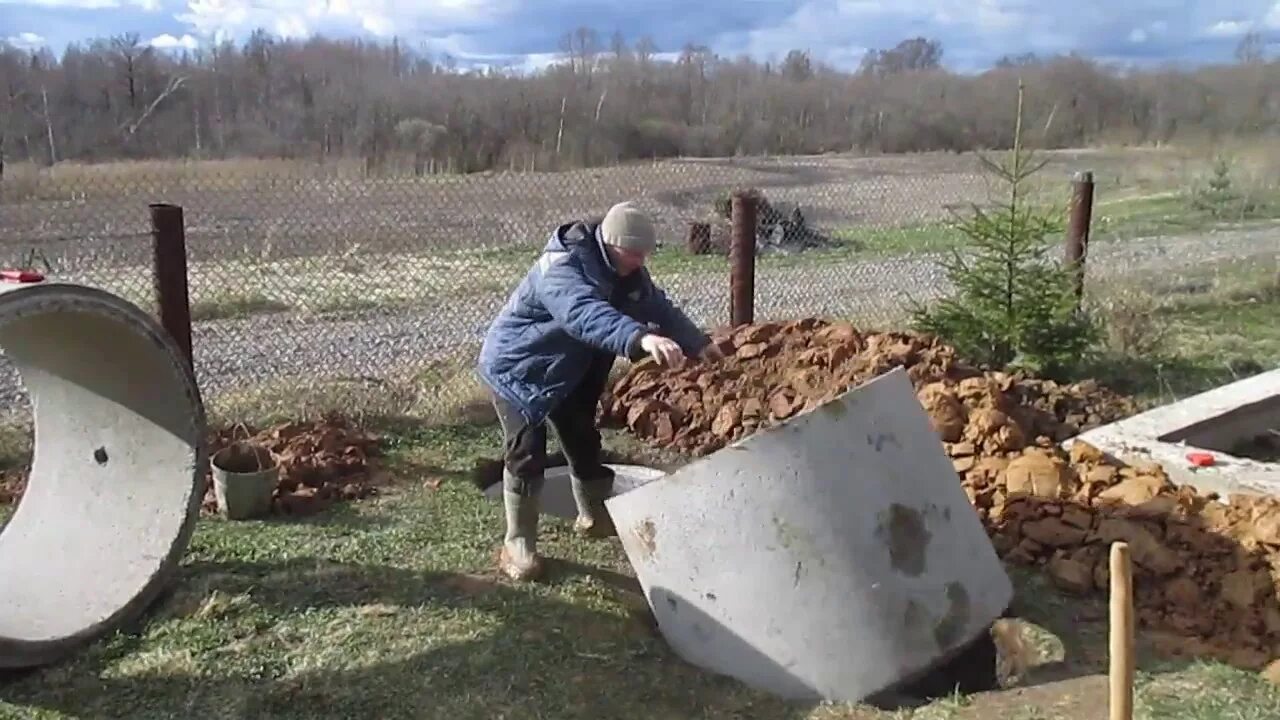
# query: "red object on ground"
{"type": "Point", "coordinates": [1200, 459]}
{"type": "Point", "coordinates": [21, 276]}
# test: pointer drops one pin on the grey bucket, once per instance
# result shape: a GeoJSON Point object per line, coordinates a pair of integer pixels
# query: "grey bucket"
{"type": "Point", "coordinates": [830, 557]}
{"type": "Point", "coordinates": [245, 475]}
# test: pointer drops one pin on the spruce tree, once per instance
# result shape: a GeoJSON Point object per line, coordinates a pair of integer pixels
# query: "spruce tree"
{"type": "Point", "coordinates": [1013, 305]}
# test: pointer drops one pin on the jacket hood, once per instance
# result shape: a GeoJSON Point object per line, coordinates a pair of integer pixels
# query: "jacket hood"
{"type": "Point", "coordinates": [570, 235]}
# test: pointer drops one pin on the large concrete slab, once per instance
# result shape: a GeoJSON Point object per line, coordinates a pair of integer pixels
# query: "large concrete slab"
{"type": "Point", "coordinates": [1210, 422]}
{"type": "Point", "coordinates": [830, 557]}
{"type": "Point", "coordinates": [117, 471]}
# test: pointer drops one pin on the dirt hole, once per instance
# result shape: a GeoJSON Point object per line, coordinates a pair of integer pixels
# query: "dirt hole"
{"type": "Point", "coordinates": [1262, 447]}
{"type": "Point", "coordinates": [974, 669]}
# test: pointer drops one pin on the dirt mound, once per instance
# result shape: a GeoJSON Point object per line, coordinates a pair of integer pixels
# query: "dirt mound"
{"type": "Point", "coordinates": [321, 461]}
{"type": "Point", "coordinates": [774, 371]}
{"type": "Point", "coordinates": [1206, 572]}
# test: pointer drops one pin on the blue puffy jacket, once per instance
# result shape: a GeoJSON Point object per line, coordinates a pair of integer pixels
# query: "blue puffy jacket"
{"type": "Point", "coordinates": [569, 306]}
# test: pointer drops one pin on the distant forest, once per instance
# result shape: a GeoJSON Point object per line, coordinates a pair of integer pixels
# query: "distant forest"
{"type": "Point", "coordinates": [608, 101]}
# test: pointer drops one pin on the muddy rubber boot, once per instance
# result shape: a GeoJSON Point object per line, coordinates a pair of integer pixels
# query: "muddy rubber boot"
{"type": "Point", "coordinates": [519, 559]}
{"type": "Point", "coordinates": [593, 517]}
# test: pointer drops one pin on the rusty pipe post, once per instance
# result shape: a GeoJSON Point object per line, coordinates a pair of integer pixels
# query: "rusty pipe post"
{"type": "Point", "coordinates": [742, 259]}
{"type": "Point", "coordinates": [169, 254]}
{"type": "Point", "coordinates": [1079, 221]}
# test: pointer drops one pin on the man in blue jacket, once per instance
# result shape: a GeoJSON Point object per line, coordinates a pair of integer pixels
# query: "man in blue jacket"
{"type": "Point", "coordinates": [587, 300]}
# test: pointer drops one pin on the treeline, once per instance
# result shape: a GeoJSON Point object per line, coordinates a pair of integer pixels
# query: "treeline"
{"type": "Point", "coordinates": [608, 101]}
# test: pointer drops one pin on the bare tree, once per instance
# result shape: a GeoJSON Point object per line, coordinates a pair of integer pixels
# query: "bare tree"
{"type": "Point", "coordinates": [323, 98]}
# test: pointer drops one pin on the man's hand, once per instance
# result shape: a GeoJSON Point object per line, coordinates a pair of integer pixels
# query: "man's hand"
{"type": "Point", "coordinates": [664, 350]}
{"type": "Point", "coordinates": [712, 353]}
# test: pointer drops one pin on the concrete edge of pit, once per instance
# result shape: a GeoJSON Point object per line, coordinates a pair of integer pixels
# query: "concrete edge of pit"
{"type": "Point", "coordinates": [1137, 439]}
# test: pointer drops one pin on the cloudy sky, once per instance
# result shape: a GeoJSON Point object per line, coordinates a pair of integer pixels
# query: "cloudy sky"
{"type": "Point", "coordinates": [526, 32]}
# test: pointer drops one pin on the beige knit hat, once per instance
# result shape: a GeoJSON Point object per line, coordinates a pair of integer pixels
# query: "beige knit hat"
{"type": "Point", "coordinates": [627, 226]}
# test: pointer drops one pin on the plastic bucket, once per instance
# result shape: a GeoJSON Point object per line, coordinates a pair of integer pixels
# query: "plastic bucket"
{"type": "Point", "coordinates": [245, 475]}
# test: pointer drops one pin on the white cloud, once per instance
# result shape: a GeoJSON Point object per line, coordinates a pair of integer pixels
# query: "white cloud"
{"type": "Point", "coordinates": [167, 41]}
{"type": "Point", "coordinates": [1272, 20]}
{"type": "Point", "coordinates": [149, 5]}
{"type": "Point", "coordinates": [1228, 28]}
{"type": "Point", "coordinates": [26, 41]}
{"type": "Point", "coordinates": [974, 32]}
{"type": "Point", "coordinates": [300, 18]}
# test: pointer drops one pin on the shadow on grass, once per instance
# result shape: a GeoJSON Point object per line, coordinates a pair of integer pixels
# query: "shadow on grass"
{"type": "Point", "coordinates": [513, 653]}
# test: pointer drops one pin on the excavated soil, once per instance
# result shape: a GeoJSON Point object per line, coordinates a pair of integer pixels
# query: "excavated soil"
{"type": "Point", "coordinates": [774, 371]}
{"type": "Point", "coordinates": [321, 461]}
{"type": "Point", "coordinates": [1206, 571]}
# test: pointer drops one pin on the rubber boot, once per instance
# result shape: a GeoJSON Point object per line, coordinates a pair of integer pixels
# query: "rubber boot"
{"type": "Point", "coordinates": [593, 517]}
{"type": "Point", "coordinates": [519, 559]}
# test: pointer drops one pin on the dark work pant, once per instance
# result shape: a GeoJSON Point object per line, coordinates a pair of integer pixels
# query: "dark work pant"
{"type": "Point", "coordinates": [574, 421]}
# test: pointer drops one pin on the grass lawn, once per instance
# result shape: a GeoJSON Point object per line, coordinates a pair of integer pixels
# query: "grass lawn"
{"type": "Point", "coordinates": [389, 609]}
{"type": "Point", "coordinates": [1175, 337]}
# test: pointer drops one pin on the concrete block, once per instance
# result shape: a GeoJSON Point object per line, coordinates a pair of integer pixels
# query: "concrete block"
{"type": "Point", "coordinates": [117, 474]}
{"type": "Point", "coordinates": [1208, 422]}
{"type": "Point", "coordinates": [830, 557]}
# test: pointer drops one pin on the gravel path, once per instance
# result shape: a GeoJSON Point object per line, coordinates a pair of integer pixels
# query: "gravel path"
{"type": "Point", "coordinates": [265, 347]}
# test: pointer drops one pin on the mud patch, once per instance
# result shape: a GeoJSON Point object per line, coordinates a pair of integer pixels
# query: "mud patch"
{"type": "Point", "coordinates": [647, 534]}
{"type": "Point", "coordinates": [972, 669]}
{"type": "Point", "coordinates": [903, 531]}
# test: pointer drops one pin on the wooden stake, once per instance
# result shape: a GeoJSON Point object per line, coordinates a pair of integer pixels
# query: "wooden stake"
{"type": "Point", "coordinates": [1122, 633]}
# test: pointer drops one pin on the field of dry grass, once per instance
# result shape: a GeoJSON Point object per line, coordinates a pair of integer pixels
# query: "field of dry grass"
{"type": "Point", "coordinates": [268, 210]}
{"type": "Point", "coordinates": [269, 235]}
{"type": "Point", "coordinates": [296, 266]}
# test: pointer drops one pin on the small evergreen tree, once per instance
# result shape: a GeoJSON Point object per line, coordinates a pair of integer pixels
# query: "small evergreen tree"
{"type": "Point", "coordinates": [1217, 196]}
{"type": "Point", "coordinates": [1014, 305]}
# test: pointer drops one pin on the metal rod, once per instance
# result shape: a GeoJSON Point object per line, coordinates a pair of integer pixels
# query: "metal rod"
{"type": "Point", "coordinates": [742, 259]}
{"type": "Point", "coordinates": [169, 249]}
{"type": "Point", "coordinates": [1078, 226]}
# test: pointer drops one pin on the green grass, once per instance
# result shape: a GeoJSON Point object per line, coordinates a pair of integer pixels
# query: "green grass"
{"type": "Point", "coordinates": [1191, 334]}
{"type": "Point", "coordinates": [1172, 213]}
{"type": "Point", "coordinates": [233, 306]}
{"type": "Point", "coordinates": [1205, 691]}
{"type": "Point", "coordinates": [389, 609]}
{"type": "Point", "coordinates": [1113, 220]}
{"type": "Point", "coordinates": [385, 609]}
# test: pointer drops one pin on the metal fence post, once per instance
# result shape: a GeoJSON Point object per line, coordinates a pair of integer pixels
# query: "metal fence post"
{"type": "Point", "coordinates": [169, 249]}
{"type": "Point", "coordinates": [742, 259]}
{"type": "Point", "coordinates": [1078, 228]}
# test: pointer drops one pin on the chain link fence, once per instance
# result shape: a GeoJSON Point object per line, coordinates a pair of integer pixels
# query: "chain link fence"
{"type": "Point", "coordinates": [317, 286]}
